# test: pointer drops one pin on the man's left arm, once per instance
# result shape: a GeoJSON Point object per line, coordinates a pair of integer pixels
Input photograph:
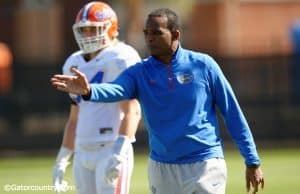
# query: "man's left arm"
{"type": "Point", "coordinates": [237, 125]}
{"type": "Point", "coordinates": [234, 118]}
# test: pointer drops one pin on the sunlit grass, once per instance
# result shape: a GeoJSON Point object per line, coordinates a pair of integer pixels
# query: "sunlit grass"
{"type": "Point", "coordinates": [281, 169]}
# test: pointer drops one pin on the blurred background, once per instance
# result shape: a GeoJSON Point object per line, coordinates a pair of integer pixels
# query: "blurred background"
{"type": "Point", "coordinates": [256, 42]}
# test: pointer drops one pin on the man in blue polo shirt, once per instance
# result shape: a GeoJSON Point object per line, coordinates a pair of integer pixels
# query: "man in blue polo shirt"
{"type": "Point", "coordinates": [179, 91]}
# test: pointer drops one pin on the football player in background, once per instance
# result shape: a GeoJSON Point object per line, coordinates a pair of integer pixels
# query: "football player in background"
{"type": "Point", "coordinates": [96, 132]}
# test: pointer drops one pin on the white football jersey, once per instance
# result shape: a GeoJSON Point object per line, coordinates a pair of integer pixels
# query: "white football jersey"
{"type": "Point", "coordinates": [100, 121]}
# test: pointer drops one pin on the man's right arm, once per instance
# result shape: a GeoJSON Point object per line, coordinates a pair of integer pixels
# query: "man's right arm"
{"type": "Point", "coordinates": [120, 89]}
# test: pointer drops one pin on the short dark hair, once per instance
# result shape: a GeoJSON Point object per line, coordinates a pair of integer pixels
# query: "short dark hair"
{"type": "Point", "coordinates": [173, 20]}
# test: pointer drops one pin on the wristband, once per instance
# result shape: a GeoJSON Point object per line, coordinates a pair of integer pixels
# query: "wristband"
{"type": "Point", "coordinates": [121, 144]}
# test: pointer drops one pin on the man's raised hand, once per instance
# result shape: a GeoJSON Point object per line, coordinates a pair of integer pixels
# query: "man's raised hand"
{"type": "Point", "coordinates": [76, 84]}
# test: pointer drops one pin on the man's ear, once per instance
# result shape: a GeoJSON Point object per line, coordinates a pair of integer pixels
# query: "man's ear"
{"type": "Point", "coordinates": [175, 35]}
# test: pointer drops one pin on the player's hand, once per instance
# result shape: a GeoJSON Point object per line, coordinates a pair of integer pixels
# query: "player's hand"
{"type": "Point", "coordinates": [62, 161]}
{"type": "Point", "coordinates": [77, 84]}
{"type": "Point", "coordinates": [57, 176]}
{"type": "Point", "coordinates": [113, 169]}
{"type": "Point", "coordinates": [120, 155]}
{"type": "Point", "coordinates": [254, 178]}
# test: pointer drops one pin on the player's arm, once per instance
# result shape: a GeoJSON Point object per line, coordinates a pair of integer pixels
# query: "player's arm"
{"type": "Point", "coordinates": [132, 116]}
{"type": "Point", "coordinates": [69, 132]}
{"type": "Point", "coordinates": [128, 127]}
{"type": "Point", "coordinates": [66, 150]}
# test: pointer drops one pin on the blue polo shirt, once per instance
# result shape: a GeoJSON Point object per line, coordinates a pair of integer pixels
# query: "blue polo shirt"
{"type": "Point", "coordinates": [179, 104]}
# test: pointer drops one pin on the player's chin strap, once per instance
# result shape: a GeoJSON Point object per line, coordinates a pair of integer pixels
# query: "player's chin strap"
{"type": "Point", "coordinates": [62, 161]}
{"type": "Point", "coordinates": [120, 153]}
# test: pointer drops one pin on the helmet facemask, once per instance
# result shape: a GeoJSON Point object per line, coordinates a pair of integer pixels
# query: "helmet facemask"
{"type": "Point", "coordinates": [95, 41]}
{"type": "Point", "coordinates": [96, 26]}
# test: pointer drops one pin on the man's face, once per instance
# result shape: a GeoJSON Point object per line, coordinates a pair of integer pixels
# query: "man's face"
{"type": "Point", "coordinates": [158, 37]}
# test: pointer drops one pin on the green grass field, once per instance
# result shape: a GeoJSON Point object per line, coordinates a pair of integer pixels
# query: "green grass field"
{"type": "Point", "coordinates": [281, 169]}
